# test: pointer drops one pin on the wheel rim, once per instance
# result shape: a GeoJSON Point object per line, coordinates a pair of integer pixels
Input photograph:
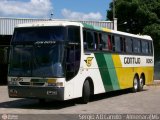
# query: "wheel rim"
{"type": "Point", "coordinates": [141, 83]}
{"type": "Point", "coordinates": [135, 84]}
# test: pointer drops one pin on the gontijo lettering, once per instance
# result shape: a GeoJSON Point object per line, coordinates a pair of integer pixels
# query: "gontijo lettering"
{"type": "Point", "coordinates": [132, 60]}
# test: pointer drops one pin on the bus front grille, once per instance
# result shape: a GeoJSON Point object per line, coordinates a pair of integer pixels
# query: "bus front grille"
{"type": "Point", "coordinates": [32, 83]}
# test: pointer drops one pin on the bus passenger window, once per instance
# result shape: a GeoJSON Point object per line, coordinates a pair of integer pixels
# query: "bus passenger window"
{"type": "Point", "coordinates": [123, 44]}
{"type": "Point", "coordinates": [90, 41]}
{"type": "Point", "coordinates": [150, 47]}
{"type": "Point", "coordinates": [84, 40]}
{"type": "Point", "coordinates": [100, 44]}
{"type": "Point", "coordinates": [104, 38]}
{"type": "Point", "coordinates": [136, 46]}
{"type": "Point", "coordinates": [113, 43]}
{"type": "Point", "coordinates": [129, 45]}
{"type": "Point", "coordinates": [145, 47]}
{"type": "Point", "coordinates": [109, 42]}
{"type": "Point", "coordinates": [96, 40]}
{"type": "Point", "coordinates": [117, 44]}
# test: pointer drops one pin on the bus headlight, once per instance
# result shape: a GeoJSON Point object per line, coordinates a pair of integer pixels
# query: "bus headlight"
{"type": "Point", "coordinates": [51, 82]}
{"type": "Point", "coordinates": [54, 82]}
{"type": "Point", "coordinates": [59, 84]}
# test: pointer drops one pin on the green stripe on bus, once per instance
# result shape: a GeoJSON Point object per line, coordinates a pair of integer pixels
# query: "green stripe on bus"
{"type": "Point", "coordinates": [97, 28]}
{"type": "Point", "coordinates": [112, 71]}
{"type": "Point", "coordinates": [105, 75]}
{"type": "Point", "coordinates": [88, 26]}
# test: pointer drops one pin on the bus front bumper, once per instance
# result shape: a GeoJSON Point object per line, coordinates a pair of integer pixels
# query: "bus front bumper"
{"type": "Point", "coordinates": [54, 93]}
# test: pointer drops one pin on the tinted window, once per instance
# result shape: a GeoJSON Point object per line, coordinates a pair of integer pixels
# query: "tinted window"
{"type": "Point", "coordinates": [113, 43]}
{"type": "Point", "coordinates": [129, 45]}
{"type": "Point", "coordinates": [136, 46]}
{"type": "Point", "coordinates": [105, 41]}
{"type": "Point", "coordinates": [74, 34]}
{"type": "Point", "coordinates": [150, 47]}
{"type": "Point", "coordinates": [123, 44]}
{"type": "Point", "coordinates": [35, 34]}
{"type": "Point", "coordinates": [145, 47]}
{"type": "Point", "coordinates": [117, 44]}
{"type": "Point", "coordinates": [96, 39]}
{"type": "Point", "coordinates": [90, 40]}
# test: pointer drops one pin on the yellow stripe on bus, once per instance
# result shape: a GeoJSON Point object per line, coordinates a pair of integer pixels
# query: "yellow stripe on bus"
{"type": "Point", "coordinates": [125, 75]}
{"type": "Point", "coordinates": [106, 29]}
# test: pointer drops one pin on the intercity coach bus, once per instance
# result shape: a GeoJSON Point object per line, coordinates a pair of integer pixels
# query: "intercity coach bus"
{"type": "Point", "coordinates": [63, 60]}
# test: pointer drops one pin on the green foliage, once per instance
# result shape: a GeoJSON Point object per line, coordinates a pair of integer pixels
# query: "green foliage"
{"type": "Point", "coordinates": [138, 16]}
{"type": "Point", "coordinates": [154, 31]}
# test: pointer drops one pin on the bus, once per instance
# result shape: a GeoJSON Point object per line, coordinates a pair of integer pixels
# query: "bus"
{"type": "Point", "coordinates": [63, 60]}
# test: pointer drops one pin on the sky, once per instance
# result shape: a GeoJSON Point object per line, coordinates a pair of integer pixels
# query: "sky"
{"type": "Point", "coordinates": [61, 9]}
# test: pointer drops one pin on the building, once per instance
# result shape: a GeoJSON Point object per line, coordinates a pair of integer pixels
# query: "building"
{"type": "Point", "coordinates": [6, 30]}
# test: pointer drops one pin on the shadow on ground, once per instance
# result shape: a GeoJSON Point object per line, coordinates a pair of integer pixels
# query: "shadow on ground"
{"type": "Point", "coordinates": [49, 105]}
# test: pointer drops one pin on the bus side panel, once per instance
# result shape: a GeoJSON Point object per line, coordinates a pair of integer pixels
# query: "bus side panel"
{"type": "Point", "coordinates": [126, 70]}
{"type": "Point", "coordinates": [91, 69]}
{"type": "Point", "coordinates": [148, 72]}
{"type": "Point", "coordinates": [149, 75]}
{"type": "Point", "coordinates": [88, 69]}
{"type": "Point", "coordinates": [125, 74]}
{"type": "Point", "coordinates": [107, 71]}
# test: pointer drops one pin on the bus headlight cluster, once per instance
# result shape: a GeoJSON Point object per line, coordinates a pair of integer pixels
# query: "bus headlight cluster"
{"type": "Point", "coordinates": [51, 82]}
{"type": "Point", "coordinates": [54, 82]}
{"type": "Point", "coordinates": [59, 84]}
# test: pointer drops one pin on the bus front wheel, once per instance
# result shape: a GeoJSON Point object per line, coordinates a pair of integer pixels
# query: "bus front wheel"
{"type": "Point", "coordinates": [86, 92]}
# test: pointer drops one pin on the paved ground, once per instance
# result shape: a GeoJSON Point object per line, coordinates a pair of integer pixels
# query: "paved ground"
{"type": "Point", "coordinates": [121, 102]}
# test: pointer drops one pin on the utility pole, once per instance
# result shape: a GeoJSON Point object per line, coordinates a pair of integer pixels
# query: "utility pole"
{"type": "Point", "coordinates": [113, 9]}
{"type": "Point", "coordinates": [114, 19]}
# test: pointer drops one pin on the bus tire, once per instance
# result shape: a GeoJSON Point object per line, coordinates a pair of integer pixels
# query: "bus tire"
{"type": "Point", "coordinates": [141, 83]}
{"type": "Point", "coordinates": [86, 92]}
{"type": "Point", "coordinates": [135, 84]}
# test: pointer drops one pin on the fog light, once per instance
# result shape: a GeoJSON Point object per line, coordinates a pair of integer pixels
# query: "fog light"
{"type": "Point", "coordinates": [13, 91]}
{"type": "Point", "coordinates": [12, 83]}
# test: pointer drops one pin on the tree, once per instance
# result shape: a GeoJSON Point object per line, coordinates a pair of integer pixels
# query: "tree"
{"type": "Point", "coordinates": [138, 17]}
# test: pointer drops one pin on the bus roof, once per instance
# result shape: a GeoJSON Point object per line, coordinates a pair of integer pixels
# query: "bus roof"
{"type": "Point", "coordinates": [49, 23]}
{"type": "Point", "coordinates": [67, 23]}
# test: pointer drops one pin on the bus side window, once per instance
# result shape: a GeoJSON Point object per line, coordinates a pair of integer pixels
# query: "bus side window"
{"type": "Point", "coordinates": [74, 34]}
{"type": "Point", "coordinates": [145, 47]}
{"type": "Point", "coordinates": [84, 40]}
{"type": "Point", "coordinates": [90, 40]}
{"type": "Point", "coordinates": [136, 46]}
{"type": "Point", "coordinates": [129, 45]}
{"type": "Point", "coordinates": [96, 40]}
{"type": "Point", "coordinates": [113, 42]}
{"type": "Point", "coordinates": [104, 40]}
{"type": "Point", "coordinates": [123, 44]}
{"type": "Point", "coordinates": [117, 43]}
{"type": "Point", "coordinates": [109, 43]}
{"type": "Point", "coordinates": [150, 47]}
{"type": "Point", "coordinates": [100, 44]}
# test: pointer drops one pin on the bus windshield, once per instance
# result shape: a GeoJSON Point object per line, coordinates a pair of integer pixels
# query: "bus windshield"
{"type": "Point", "coordinates": [39, 61]}
{"type": "Point", "coordinates": [42, 56]}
